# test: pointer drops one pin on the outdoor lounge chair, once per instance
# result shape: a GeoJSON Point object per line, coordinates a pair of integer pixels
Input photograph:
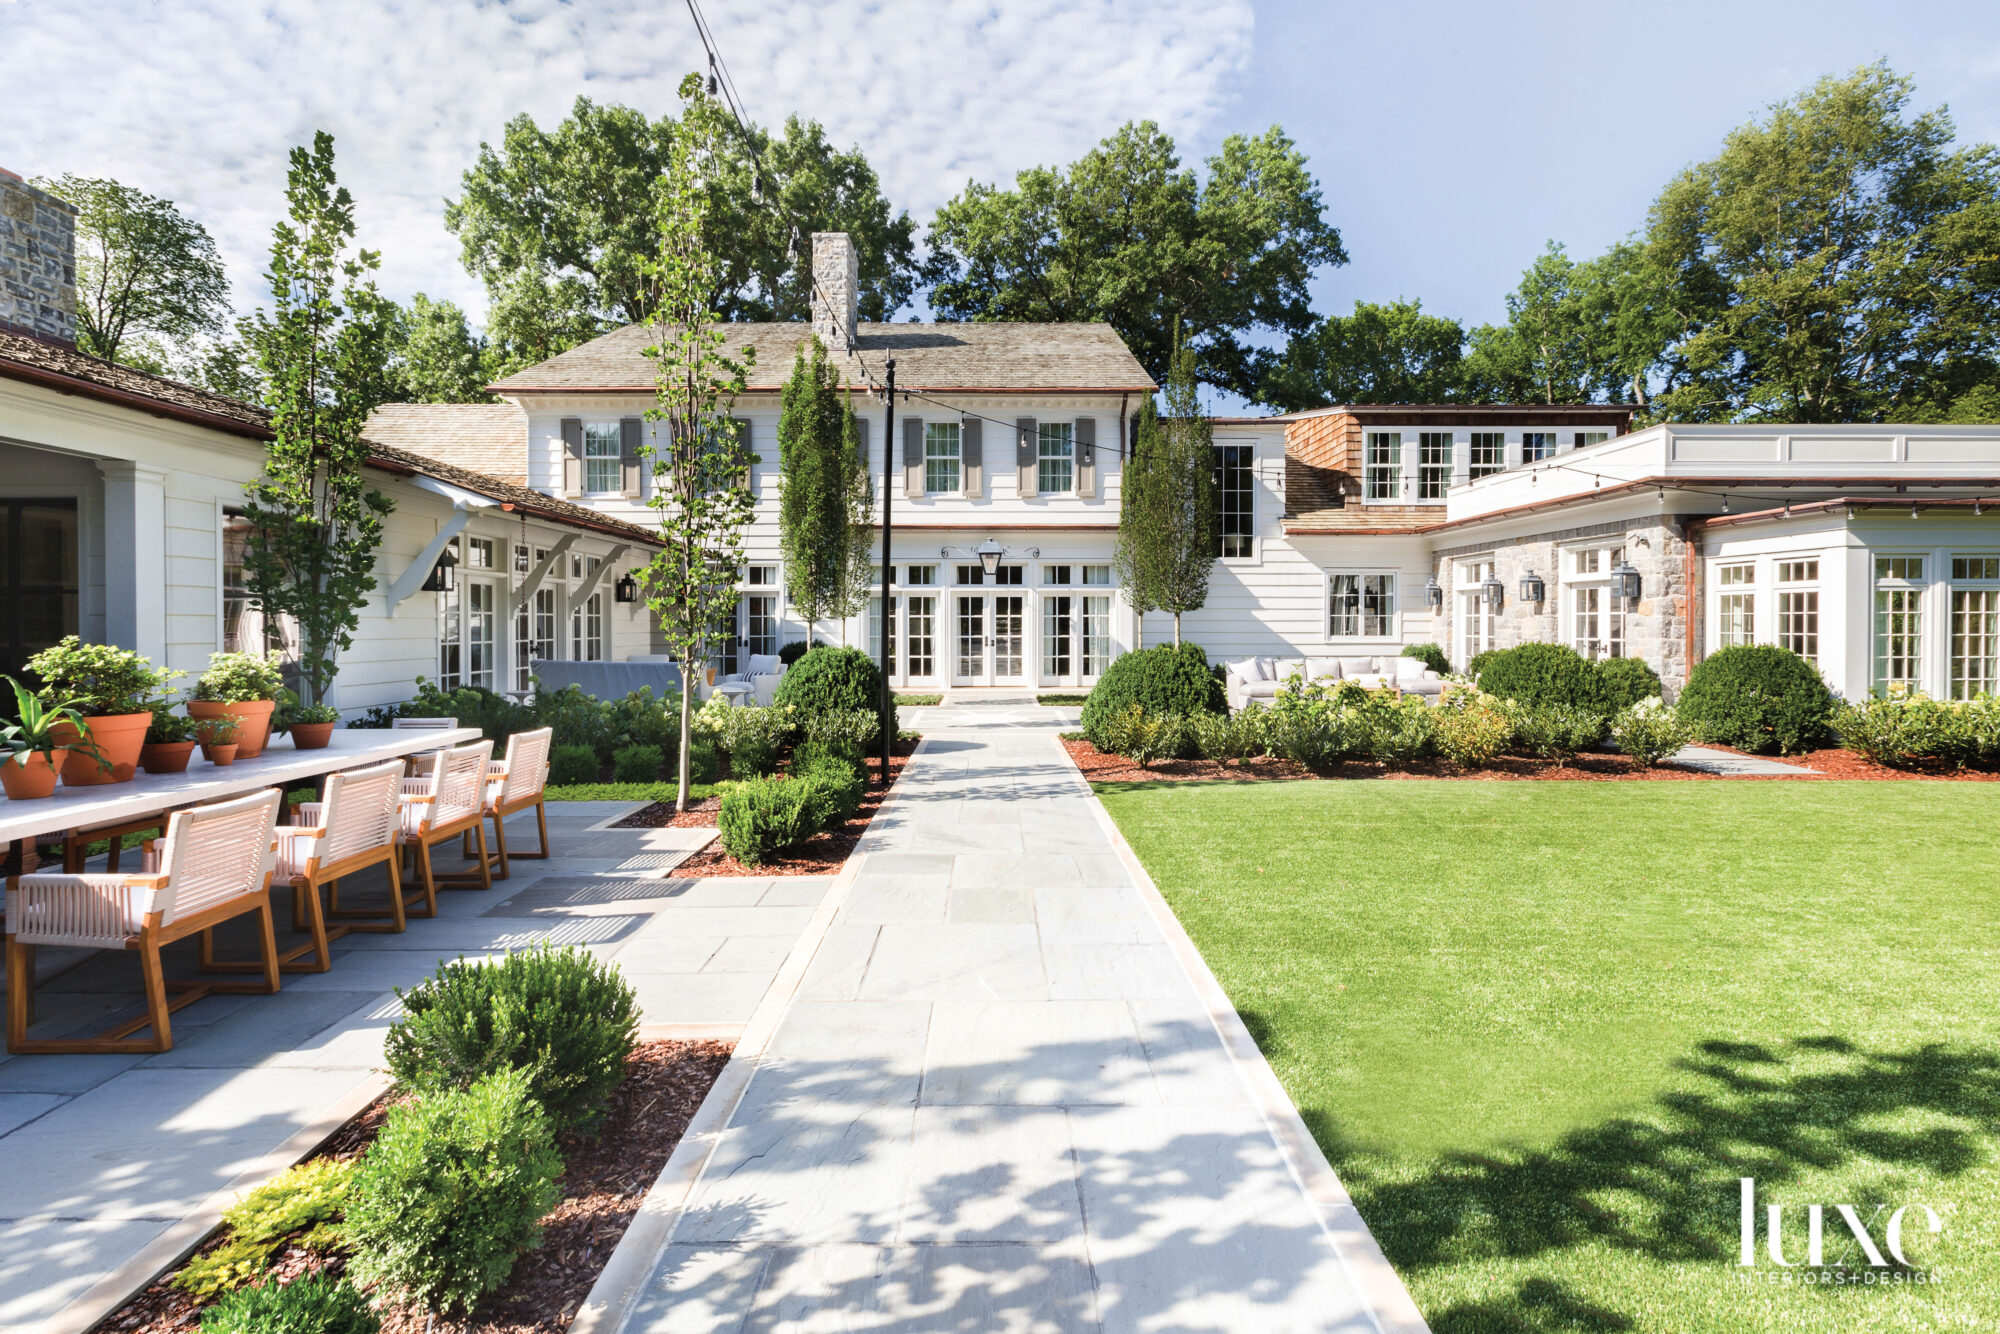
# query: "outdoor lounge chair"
{"type": "Point", "coordinates": [445, 803]}
{"type": "Point", "coordinates": [215, 864]}
{"type": "Point", "coordinates": [350, 828]}
{"type": "Point", "coordinates": [516, 783]}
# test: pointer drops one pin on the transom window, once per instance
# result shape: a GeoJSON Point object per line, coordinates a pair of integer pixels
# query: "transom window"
{"type": "Point", "coordinates": [1433, 464]}
{"type": "Point", "coordinates": [1007, 574]}
{"type": "Point", "coordinates": [603, 450]}
{"type": "Point", "coordinates": [1798, 571]}
{"type": "Point", "coordinates": [1589, 561]}
{"type": "Point", "coordinates": [1055, 574]}
{"type": "Point", "coordinates": [1537, 445]}
{"type": "Point", "coordinates": [1385, 465]}
{"type": "Point", "coordinates": [1055, 457]}
{"type": "Point", "coordinates": [479, 553]}
{"type": "Point", "coordinates": [1363, 606]}
{"type": "Point", "coordinates": [922, 576]}
{"type": "Point", "coordinates": [761, 576]}
{"type": "Point", "coordinates": [1585, 439]}
{"type": "Point", "coordinates": [1975, 626]}
{"type": "Point", "coordinates": [1097, 574]}
{"type": "Point", "coordinates": [1899, 622]}
{"type": "Point", "coordinates": [1488, 453]}
{"type": "Point", "coordinates": [1236, 498]}
{"type": "Point", "coordinates": [941, 458]}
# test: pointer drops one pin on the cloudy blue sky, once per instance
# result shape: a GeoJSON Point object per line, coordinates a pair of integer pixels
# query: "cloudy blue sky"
{"type": "Point", "coordinates": [1451, 138]}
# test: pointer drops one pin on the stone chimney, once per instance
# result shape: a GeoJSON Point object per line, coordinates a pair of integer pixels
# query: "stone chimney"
{"type": "Point", "coordinates": [37, 262]}
{"type": "Point", "coordinates": [836, 297]}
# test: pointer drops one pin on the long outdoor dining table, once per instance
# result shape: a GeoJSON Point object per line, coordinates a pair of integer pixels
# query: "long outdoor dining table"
{"type": "Point", "coordinates": [155, 794]}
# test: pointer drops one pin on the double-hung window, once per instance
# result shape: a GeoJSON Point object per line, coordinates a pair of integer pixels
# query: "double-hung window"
{"type": "Point", "coordinates": [1055, 458]}
{"type": "Point", "coordinates": [1384, 465]}
{"type": "Point", "coordinates": [1363, 606]}
{"type": "Point", "coordinates": [941, 458]}
{"type": "Point", "coordinates": [1433, 464]}
{"type": "Point", "coordinates": [1975, 626]}
{"type": "Point", "coordinates": [603, 452]}
{"type": "Point", "coordinates": [1488, 454]}
{"type": "Point", "coordinates": [1899, 622]}
{"type": "Point", "coordinates": [1735, 605]}
{"type": "Point", "coordinates": [1537, 445]}
{"type": "Point", "coordinates": [1798, 607]}
{"type": "Point", "coordinates": [1236, 498]}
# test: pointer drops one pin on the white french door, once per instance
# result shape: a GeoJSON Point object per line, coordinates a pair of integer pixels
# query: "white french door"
{"type": "Point", "coordinates": [989, 639]}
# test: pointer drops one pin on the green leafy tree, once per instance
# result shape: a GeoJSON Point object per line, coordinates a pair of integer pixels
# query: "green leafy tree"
{"type": "Point", "coordinates": [559, 223]}
{"type": "Point", "coordinates": [1392, 353]}
{"type": "Point", "coordinates": [148, 277]}
{"type": "Point", "coordinates": [1169, 517]}
{"type": "Point", "coordinates": [700, 496]}
{"type": "Point", "coordinates": [435, 355]}
{"type": "Point", "coordinates": [1127, 236]}
{"type": "Point", "coordinates": [322, 352]}
{"type": "Point", "coordinates": [821, 479]}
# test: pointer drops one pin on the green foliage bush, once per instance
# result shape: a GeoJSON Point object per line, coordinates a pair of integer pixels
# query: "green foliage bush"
{"type": "Point", "coordinates": [1231, 738]}
{"type": "Point", "coordinates": [1480, 662]}
{"type": "Point", "coordinates": [636, 764]}
{"type": "Point", "coordinates": [1555, 731]}
{"type": "Point", "coordinates": [1757, 697]}
{"type": "Point", "coordinates": [240, 678]}
{"type": "Point", "coordinates": [1397, 730]}
{"type": "Point", "coordinates": [831, 680]}
{"type": "Point", "coordinates": [1542, 674]}
{"type": "Point", "coordinates": [314, 1304]}
{"type": "Point", "coordinates": [1911, 731]}
{"type": "Point", "coordinates": [845, 733]}
{"type": "Point", "coordinates": [762, 818]}
{"type": "Point", "coordinates": [1161, 680]}
{"type": "Point", "coordinates": [562, 1017]}
{"type": "Point", "coordinates": [1431, 655]}
{"type": "Point", "coordinates": [304, 1200]}
{"type": "Point", "coordinates": [834, 788]}
{"type": "Point", "coordinates": [795, 649]}
{"type": "Point", "coordinates": [1623, 682]}
{"type": "Point", "coordinates": [97, 680]}
{"type": "Point", "coordinates": [1649, 731]}
{"type": "Point", "coordinates": [1470, 728]}
{"type": "Point", "coordinates": [453, 1190]}
{"type": "Point", "coordinates": [571, 765]}
{"type": "Point", "coordinates": [641, 720]}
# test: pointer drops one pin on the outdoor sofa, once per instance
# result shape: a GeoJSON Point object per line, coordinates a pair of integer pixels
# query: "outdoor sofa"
{"type": "Point", "coordinates": [1262, 678]}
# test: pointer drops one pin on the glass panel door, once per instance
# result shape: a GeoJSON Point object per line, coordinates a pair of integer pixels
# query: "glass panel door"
{"type": "Point", "coordinates": [970, 660]}
{"type": "Point", "coordinates": [480, 601]}
{"type": "Point", "coordinates": [1009, 637]}
{"type": "Point", "coordinates": [38, 578]}
{"type": "Point", "coordinates": [920, 662]}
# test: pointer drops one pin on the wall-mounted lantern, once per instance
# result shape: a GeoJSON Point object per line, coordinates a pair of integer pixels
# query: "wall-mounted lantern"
{"type": "Point", "coordinates": [1533, 589]}
{"type": "Point", "coordinates": [1434, 593]}
{"type": "Point", "coordinates": [1625, 581]}
{"type": "Point", "coordinates": [441, 579]}
{"type": "Point", "coordinates": [1494, 591]}
{"type": "Point", "coordinates": [626, 589]}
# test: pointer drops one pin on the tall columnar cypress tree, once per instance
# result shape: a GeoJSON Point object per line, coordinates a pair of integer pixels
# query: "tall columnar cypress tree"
{"type": "Point", "coordinates": [1169, 518]}
{"type": "Point", "coordinates": [824, 499]}
{"type": "Point", "coordinates": [1143, 515]}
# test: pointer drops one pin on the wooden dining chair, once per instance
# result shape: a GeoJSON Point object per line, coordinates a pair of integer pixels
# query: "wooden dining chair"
{"type": "Point", "coordinates": [446, 802]}
{"type": "Point", "coordinates": [351, 828]}
{"type": "Point", "coordinates": [214, 865]}
{"type": "Point", "coordinates": [516, 783]}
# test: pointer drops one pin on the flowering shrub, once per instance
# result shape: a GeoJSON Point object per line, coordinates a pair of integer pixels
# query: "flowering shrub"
{"type": "Point", "coordinates": [1555, 731]}
{"type": "Point", "coordinates": [1471, 727]}
{"type": "Point", "coordinates": [1649, 731]}
{"type": "Point", "coordinates": [1907, 729]}
{"type": "Point", "coordinates": [1232, 738]}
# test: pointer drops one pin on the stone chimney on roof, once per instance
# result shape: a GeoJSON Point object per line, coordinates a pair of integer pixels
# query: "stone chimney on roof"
{"type": "Point", "coordinates": [37, 262]}
{"type": "Point", "coordinates": [836, 295]}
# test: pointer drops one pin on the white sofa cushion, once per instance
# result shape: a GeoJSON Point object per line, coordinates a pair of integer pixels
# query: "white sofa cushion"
{"type": "Point", "coordinates": [1322, 669]}
{"type": "Point", "coordinates": [1250, 669]}
{"type": "Point", "coordinates": [1284, 669]}
{"type": "Point", "coordinates": [764, 664]}
{"type": "Point", "coordinates": [1367, 680]}
{"type": "Point", "coordinates": [1353, 667]}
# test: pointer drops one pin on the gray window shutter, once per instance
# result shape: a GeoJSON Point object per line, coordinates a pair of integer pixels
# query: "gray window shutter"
{"type": "Point", "coordinates": [746, 479]}
{"type": "Point", "coordinates": [913, 456]}
{"type": "Point", "coordinates": [572, 464]}
{"type": "Point", "coordinates": [862, 445]}
{"type": "Point", "coordinates": [972, 457]}
{"type": "Point", "coordinates": [629, 463]}
{"type": "Point", "coordinates": [1086, 456]}
{"type": "Point", "coordinates": [1027, 454]}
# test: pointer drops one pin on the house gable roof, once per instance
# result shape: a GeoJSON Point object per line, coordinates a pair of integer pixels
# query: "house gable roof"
{"type": "Point", "coordinates": [488, 438]}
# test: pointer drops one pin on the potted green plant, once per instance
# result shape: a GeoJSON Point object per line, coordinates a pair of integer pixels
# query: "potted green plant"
{"type": "Point", "coordinates": [114, 689]}
{"type": "Point", "coordinates": [28, 770]}
{"type": "Point", "coordinates": [245, 686]}
{"type": "Point", "coordinates": [169, 742]}
{"type": "Point", "coordinates": [312, 725]}
{"type": "Point", "coordinates": [218, 738]}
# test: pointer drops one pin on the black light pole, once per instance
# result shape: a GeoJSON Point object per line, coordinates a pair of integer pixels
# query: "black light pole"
{"type": "Point", "coordinates": [888, 572]}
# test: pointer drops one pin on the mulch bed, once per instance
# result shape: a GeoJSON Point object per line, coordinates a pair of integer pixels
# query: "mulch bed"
{"type": "Point", "coordinates": [1829, 764]}
{"type": "Point", "coordinates": [822, 854]}
{"type": "Point", "coordinates": [603, 1184]}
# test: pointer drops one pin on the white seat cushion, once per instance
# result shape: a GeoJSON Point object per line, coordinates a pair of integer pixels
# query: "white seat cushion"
{"type": "Point", "coordinates": [1250, 669]}
{"type": "Point", "coordinates": [1284, 669]}
{"type": "Point", "coordinates": [1322, 669]}
{"type": "Point", "coordinates": [1353, 667]}
{"type": "Point", "coordinates": [1366, 680]}
{"type": "Point", "coordinates": [764, 664]}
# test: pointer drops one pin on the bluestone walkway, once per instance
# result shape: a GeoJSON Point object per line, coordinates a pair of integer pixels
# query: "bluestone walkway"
{"type": "Point", "coordinates": [1001, 1098]}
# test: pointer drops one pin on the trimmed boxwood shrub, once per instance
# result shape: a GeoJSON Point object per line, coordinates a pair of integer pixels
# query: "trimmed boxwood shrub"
{"type": "Point", "coordinates": [562, 1016]}
{"type": "Point", "coordinates": [834, 789]}
{"type": "Point", "coordinates": [1757, 697]}
{"type": "Point", "coordinates": [452, 1191]}
{"type": "Point", "coordinates": [635, 764]}
{"type": "Point", "coordinates": [1623, 682]}
{"type": "Point", "coordinates": [572, 765]}
{"type": "Point", "coordinates": [1162, 680]}
{"type": "Point", "coordinates": [759, 819]}
{"type": "Point", "coordinates": [1542, 674]}
{"type": "Point", "coordinates": [1430, 655]}
{"type": "Point", "coordinates": [315, 1304]}
{"type": "Point", "coordinates": [832, 680]}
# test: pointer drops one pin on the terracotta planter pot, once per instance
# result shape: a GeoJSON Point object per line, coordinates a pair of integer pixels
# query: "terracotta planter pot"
{"type": "Point", "coordinates": [119, 738]}
{"type": "Point", "coordinates": [24, 782]}
{"type": "Point", "coordinates": [312, 736]}
{"type": "Point", "coordinates": [166, 757]}
{"type": "Point", "coordinates": [224, 754]}
{"type": "Point", "coordinates": [253, 722]}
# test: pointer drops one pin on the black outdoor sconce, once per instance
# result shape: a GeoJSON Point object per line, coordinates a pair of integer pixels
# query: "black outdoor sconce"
{"type": "Point", "coordinates": [1494, 591]}
{"type": "Point", "coordinates": [1533, 589]}
{"type": "Point", "coordinates": [1434, 593]}
{"type": "Point", "coordinates": [626, 589]}
{"type": "Point", "coordinates": [441, 579]}
{"type": "Point", "coordinates": [989, 553]}
{"type": "Point", "coordinates": [1625, 581]}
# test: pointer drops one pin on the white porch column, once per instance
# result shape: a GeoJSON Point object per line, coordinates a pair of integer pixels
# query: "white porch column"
{"type": "Point", "coordinates": [135, 557]}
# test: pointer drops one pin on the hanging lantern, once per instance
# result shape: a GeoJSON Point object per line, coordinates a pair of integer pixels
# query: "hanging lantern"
{"type": "Point", "coordinates": [441, 579]}
{"type": "Point", "coordinates": [626, 589]}
{"type": "Point", "coordinates": [1532, 588]}
{"type": "Point", "coordinates": [1434, 593]}
{"type": "Point", "coordinates": [989, 554]}
{"type": "Point", "coordinates": [1625, 581]}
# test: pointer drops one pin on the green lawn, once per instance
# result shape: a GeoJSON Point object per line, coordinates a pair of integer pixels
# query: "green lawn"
{"type": "Point", "coordinates": [1541, 1029]}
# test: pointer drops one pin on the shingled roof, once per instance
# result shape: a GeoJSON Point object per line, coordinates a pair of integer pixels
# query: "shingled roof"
{"type": "Point", "coordinates": [489, 438]}
{"type": "Point", "coordinates": [63, 368]}
{"type": "Point", "coordinates": [959, 358]}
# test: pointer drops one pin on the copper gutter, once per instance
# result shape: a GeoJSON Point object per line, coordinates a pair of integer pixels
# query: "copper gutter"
{"type": "Point", "coordinates": [125, 398]}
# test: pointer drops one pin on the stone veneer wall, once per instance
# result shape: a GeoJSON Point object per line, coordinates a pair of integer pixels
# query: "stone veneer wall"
{"type": "Point", "coordinates": [1655, 627]}
{"type": "Point", "coordinates": [37, 261]}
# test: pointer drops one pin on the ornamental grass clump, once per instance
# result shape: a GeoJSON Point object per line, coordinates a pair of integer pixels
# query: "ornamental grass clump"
{"type": "Point", "coordinates": [314, 1304]}
{"type": "Point", "coordinates": [562, 1017]}
{"type": "Point", "coordinates": [1649, 731]}
{"type": "Point", "coordinates": [453, 1191]}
